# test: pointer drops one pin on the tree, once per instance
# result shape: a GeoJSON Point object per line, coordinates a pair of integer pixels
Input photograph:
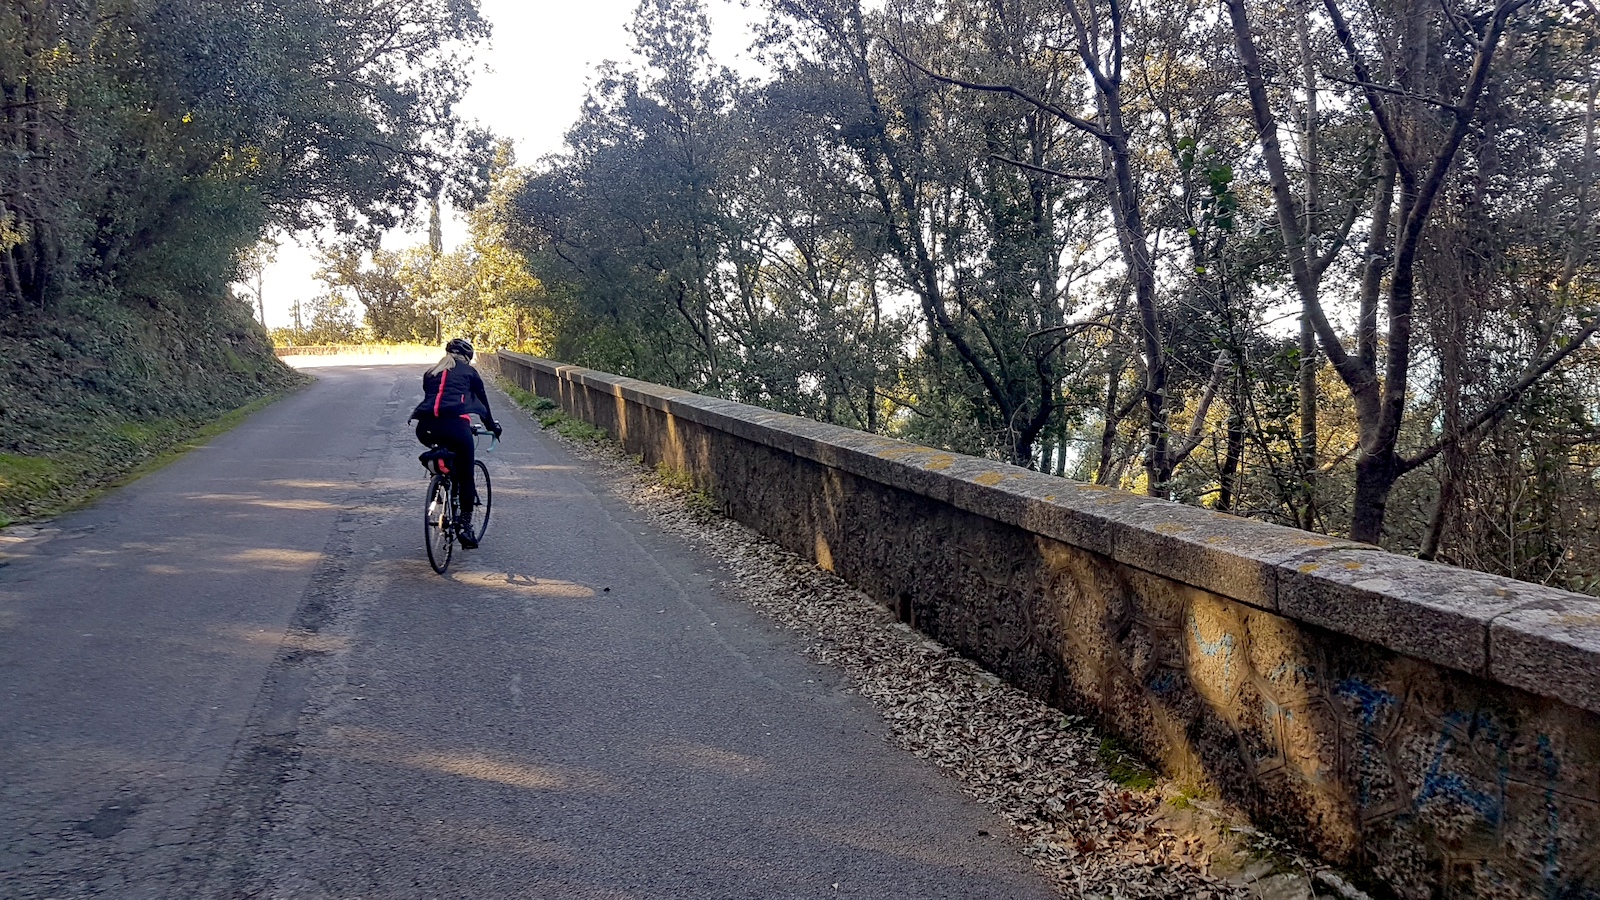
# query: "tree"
{"type": "Point", "coordinates": [963, 211]}
{"type": "Point", "coordinates": [149, 142]}
{"type": "Point", "coordinates": [386, 290]}
{"type": "Point", "coordinates": [1424, 158]}
{"type": "Point", "coordinates": [328, 318]}
{"type": "Point", "coordinates": [1098, 221]}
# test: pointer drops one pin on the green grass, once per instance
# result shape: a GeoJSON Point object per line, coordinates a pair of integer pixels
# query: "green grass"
{"type": "Point", "coordinates": [677, 479]}
{"type": "Point", "coordinates": [1186, 797]}
{"type": "Point", "coordinates": [577, 429]}
{"type": "Point", "coordinates": [24, 479]}
{"type": "Point", "coordinates": [100, 455]}
{"type": "Point", "coordinates": [518, 396]}
{"type": "Point", "coordinates": [550, 416]}
{"type": "Point", "coordinates": [1124, 768]}
{"type": "Point", "coordinates": [698, 501]}
{"type": "Point", "coordinates": [177, 438]}
{"type": "Point", "coordinates": [138, 432]}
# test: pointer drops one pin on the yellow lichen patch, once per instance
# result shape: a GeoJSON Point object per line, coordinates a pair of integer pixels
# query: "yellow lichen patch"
{"type": "Point", "coordinates": [939, 462]}
{"type": "Point", "coordinates": [1353, 565]}
{"type": "Point", "coordinates": [1171, 528]}
{"type": "Point", "coordinates": [824, 553]}
{"type": "Point", "coordinates": [1308, 568]}
{"type": "Point", "coordinates": [1581, 621]}
{"type": "Point", "coordinates": [990, 479]}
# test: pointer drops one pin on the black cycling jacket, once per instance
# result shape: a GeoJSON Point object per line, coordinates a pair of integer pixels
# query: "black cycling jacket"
{"type": "Point", "coordinates": [452, 393]}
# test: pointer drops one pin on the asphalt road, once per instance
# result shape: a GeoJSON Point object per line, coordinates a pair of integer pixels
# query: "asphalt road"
{"type": "Point", "coordinates": [238, 677]}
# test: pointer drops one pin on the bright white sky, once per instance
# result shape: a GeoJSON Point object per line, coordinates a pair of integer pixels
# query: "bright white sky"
{"type": "Point", "coordinates": [540, 60]}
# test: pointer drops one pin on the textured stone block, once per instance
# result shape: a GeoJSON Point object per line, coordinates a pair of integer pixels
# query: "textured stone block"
{"type": "Point", "coordinates": [1372, 737]}
{"type": "Point", "coordinates": [1230, 556]}
{"type": "Point", "coordinates": [1550, 645]}
{"type": "Point", "coordinates": [1422, 609]}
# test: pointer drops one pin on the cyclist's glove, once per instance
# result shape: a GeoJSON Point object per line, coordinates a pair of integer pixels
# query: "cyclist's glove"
{"type": "Point", "coordinates": [497, 429]}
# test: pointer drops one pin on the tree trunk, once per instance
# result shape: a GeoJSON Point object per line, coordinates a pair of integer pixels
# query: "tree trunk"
{"type": "Point", "coordinates": [872, 369]}
{"type": "Point", "coordinates": [1308, 333]}
{"type": "Point", "coordinates": [1108, 431]}
{"type": "Point", "coordinates": [1061, 442]}
{"type": "Point", "coordinates": [1376, 474]}
{"type": "Point", "coordinates": [1231, 457]}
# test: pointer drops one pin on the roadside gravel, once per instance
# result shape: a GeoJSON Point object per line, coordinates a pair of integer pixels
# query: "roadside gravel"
{"type": "Point", "coordinates": [1040, 770]}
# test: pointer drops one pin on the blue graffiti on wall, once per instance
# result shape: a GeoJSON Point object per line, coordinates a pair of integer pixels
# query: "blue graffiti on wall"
{"type": "Point", "coordinates": [1552, 847]}
{"type": "Point", "coordinates": [1439, 784]}
{"type": "Point", "coordinates": [1373, 701]}
{"type": "Point", "coordinates": [1453, 786]}
{"type": "Point", "coordinates": [1164, 682]}
{"type": "Point", "coordinates": [1223, 645]}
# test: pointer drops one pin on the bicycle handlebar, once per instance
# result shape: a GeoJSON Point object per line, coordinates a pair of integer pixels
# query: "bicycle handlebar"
{"type": "Point", "coordinates": [493, 442]}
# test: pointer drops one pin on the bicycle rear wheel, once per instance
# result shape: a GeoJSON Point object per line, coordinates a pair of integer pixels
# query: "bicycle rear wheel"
{"type": "Point", "coordinates": [485, 495]}
{"type": "Point", "coordinates": [439, 523]}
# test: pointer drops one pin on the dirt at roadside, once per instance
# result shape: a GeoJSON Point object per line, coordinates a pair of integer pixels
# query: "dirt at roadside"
{"type": "Point", "coordinates": [89, 393]}
{"type": "Point", "coordinates": [1098, 824]}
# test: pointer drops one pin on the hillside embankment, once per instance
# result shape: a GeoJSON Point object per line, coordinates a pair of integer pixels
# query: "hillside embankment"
{"type": "Point", "coordinates": [92, 392]}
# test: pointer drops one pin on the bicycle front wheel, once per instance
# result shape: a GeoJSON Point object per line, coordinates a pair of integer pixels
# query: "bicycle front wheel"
{"type": "Point", "coordinates": [485, 495]}
{"type": "Point", "coordinates": [439, 523]}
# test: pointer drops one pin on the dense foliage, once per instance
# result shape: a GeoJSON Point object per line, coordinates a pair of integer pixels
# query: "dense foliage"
{"type": "Point", "coordinates": [1327, 263]}
{"type": "Point", "coordinates": [483, 290]}
{"type": "Point", "coordinates": [147, 145]}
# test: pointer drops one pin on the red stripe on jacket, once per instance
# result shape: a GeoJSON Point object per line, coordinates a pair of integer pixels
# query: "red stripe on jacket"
{"type": "Point", "coordinates": [439, 397]}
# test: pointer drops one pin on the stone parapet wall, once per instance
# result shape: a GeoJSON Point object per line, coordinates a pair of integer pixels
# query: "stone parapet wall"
{"type": "Point", "coordinates": [1437, 726]}
{"type": "Point", "coordinates": [375, 350]}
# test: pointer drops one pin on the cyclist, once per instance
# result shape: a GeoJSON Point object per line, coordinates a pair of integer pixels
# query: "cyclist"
{"type": "Point", "coordinates": [451, 392]}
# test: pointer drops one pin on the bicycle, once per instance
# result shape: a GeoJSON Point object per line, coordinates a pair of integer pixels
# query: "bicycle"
{"type": "Point", "coordinates": [441, 526]}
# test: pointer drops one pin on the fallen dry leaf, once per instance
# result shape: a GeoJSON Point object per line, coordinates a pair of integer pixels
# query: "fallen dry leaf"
{"type": "Point", "coordinates": [1035, 766]}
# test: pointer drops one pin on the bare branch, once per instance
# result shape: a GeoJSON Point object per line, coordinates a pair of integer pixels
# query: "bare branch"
{"type": "Point", "coordinates": [1497, 410]}
{"type": "Point", "coordinates": [1458, 24]}
{"type": "Point", "coordinates": [1196, 437]}
{"type": "Point", "coordinates": [1380, 113]}
{"type": "Point", "coordinates": [1383, 88]}
{"type": "Point", "coordinates": [1042, 170]}
{"type": "Point", "coordinates": [1107, 85]}
{"type": "Point", "coordinates": [1321, 264]}
{"type": "Point", "coordinates": [1075, 121]}
{"type": "Point", "coordinates": [1076, 328]}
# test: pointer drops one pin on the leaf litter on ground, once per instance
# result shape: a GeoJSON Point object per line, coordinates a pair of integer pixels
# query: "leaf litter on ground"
{"type": "Point", "coordinates": [1039, 769]}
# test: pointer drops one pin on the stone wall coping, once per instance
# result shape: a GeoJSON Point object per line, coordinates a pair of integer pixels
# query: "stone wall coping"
{"type": "Point", "coordinates": [1525, 635]}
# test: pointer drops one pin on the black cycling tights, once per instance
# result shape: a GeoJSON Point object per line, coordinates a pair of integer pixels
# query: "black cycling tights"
{"type": "Point", "coordinates": [454, 435]}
